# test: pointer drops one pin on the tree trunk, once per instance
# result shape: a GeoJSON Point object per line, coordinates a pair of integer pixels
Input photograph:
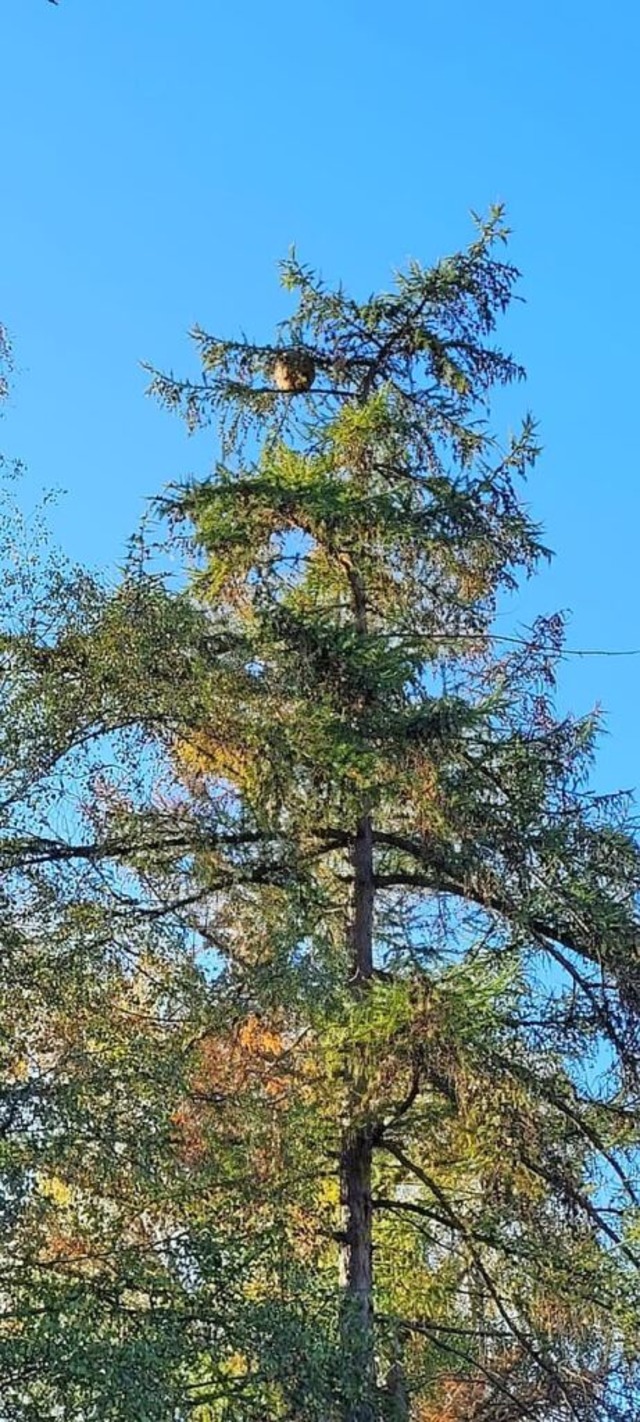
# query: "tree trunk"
{"type": "Point", "coordinates": [356, 1264]}
{"type": "Point", "coordinates": [363, 897]}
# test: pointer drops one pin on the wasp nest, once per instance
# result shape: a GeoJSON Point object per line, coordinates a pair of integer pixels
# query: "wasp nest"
{"type": "Point", "coordinates": [294, 371]}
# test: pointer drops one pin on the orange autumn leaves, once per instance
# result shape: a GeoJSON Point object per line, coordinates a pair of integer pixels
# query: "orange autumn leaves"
{"type": "Point", "coordinates": [240, 1131]}
{"type": "Point", "coordinates": [502, 1394]}
{"type": "Point", "coordinates": [248, 1066]}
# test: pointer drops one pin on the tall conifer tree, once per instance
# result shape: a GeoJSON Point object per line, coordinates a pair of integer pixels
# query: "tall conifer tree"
{"type": "Point", "coordinates": [402, 1086]}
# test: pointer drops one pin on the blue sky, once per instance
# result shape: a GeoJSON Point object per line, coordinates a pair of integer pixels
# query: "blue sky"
{"type": "Point", "coordinates": [159, 158]}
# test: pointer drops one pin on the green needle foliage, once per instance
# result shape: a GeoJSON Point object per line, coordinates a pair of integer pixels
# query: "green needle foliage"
{"type": "Point", "coordinates": [321, 1098]}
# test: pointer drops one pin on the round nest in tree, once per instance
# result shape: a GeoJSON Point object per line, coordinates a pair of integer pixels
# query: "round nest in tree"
{"type": "Point", "coordinates": [294, 371]}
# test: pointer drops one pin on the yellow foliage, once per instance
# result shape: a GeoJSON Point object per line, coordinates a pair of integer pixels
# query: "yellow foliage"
{"type": "Point", "coordinates": [235, 1366]}
{"type": "Point", "coordinates": [207, 757]}
{"type": "Point", "coordinates": [55, 1189]}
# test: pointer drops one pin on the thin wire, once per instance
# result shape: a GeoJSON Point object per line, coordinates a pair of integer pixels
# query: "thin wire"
{"type": "Point", "coordinates": [576, 652]}
{"type": "Point", "coordinates": [522, 642]}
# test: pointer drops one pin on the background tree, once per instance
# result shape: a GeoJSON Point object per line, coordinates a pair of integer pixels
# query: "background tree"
{"type": "Point", "coordinates": [387, 934]}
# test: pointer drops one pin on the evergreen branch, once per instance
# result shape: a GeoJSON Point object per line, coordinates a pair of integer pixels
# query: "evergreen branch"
{"type": "Point", "coordinates": [459, 1224]}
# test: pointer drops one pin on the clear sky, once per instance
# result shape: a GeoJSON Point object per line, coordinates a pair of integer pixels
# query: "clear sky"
{"type": "Point", "coordinates": [160, 155]}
